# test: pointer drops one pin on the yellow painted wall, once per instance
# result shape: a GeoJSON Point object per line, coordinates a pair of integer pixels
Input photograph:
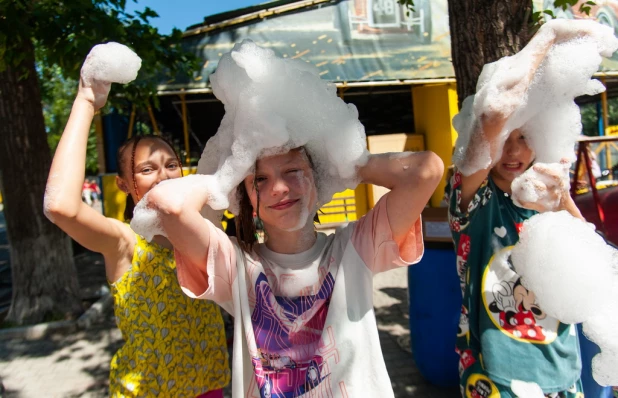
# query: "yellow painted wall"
{"type": "Point", "coordinates": [434, 108]}
{"type": "Point", "coordinates": [114, 200]}
{"type": "Point", "coordinates": [346, 206]}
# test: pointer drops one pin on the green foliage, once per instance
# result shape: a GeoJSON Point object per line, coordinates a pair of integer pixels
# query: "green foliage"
{"type": "Point", "coordinates": [590, 118]}
{"type": "Point", "coordinates": [57, 95]}
{"type": "Point", "coordinates": [66, 31]}
{"type": "Point", "coordinates": [564, 5]}
{"type": "Point", "coordinates": [409, 4]}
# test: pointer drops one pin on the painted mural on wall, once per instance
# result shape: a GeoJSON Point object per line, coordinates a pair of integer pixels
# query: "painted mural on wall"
{"type": "Point", "coordinates": [363, 40]}
{"type": "Point", "coordinates": [352, 40]}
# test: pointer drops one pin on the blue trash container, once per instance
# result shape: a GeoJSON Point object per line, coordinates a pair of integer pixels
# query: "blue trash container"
{"type": "Point", "coordinates": [435, 303]}
{"type": "Point", "coordinates": [588, 351]}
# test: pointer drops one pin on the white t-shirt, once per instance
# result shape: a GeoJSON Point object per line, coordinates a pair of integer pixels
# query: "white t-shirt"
{"type": "Point", "coordinates": [304, 323]}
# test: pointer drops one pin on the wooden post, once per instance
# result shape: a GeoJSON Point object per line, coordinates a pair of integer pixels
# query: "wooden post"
{"type": "Point", "coordinates": [608, 155]}
{"type": "Point", "coordinates": [604, 107]}
{"type": "Point", "coordinates": [155, 126]}
{"type": "Point", "coordinates": [131, 122]}
{"type": "Point", "coordinates": [98, 128]}
{"type": "Point", "coordinates": [341, 92]}
{"type": "Point", "coordinates": [185, 128]}
{"type": "Point", "coordinates": [434, 107]}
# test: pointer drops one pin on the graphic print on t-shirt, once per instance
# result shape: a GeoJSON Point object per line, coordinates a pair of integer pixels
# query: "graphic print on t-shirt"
{"type": "Point", "coordinates": [512, 307]}
{"type": "Point", "coordinates": [287, 334]}
{"type": "Point", "coordinates": [480, 386]}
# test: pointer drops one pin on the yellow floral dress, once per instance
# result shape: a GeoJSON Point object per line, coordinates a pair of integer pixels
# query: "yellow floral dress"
{"type": "Point", "coordinates": [174, 346]}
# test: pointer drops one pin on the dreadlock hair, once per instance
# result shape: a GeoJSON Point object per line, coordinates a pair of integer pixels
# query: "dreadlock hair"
{"type": "Point", "coordinates": [121, 166]}
{"type": "Point", "coordinates": [246, 230]}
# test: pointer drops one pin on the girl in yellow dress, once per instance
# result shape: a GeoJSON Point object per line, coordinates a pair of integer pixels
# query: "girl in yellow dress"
{"type": "Point", "coordinates": [174, 346]}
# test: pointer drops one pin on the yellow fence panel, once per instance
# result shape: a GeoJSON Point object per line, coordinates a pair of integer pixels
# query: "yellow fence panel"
{"type": "Point", "coordinates": [346, 206]}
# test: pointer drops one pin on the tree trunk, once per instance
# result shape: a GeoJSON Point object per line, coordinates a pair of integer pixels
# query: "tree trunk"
{"type": "Point", "coordinates": [45, 283]}
{"type": "Point", "coordinates": [484, 31]}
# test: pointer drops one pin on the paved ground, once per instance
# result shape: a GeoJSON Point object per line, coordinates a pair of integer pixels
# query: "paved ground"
{"type": "Point", "coordinates": [77, 365]}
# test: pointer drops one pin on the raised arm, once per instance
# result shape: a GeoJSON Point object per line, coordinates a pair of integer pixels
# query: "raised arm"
{"type": "Point", "coordinates": [412, 179]}
{"type": "Point", "coordinates": [507, 82]}
{"type": "Point", "coordinates": [178, 203]}
{"type": "Point", "coordinates": [63, 204]}
{"type": "Point", "coordinates": [503, 90]}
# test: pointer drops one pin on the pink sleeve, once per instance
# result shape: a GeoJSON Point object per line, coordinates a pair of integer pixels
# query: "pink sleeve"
{"type": "Point", "coordinates": [373, 240]}
{"type": "Point", "coordinates": [220, 269]}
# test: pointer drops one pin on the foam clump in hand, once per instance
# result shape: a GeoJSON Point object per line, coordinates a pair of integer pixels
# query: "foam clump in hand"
{"type": "Point", "coordinates": [534, 186]}
{"type": "Point", "coordinates": [111, 62]}
{"type": "Point", "coordinates": [574, 276]}
{"type": "Point", "coordinates": [565, 263]}
{"type": "Point", "coordinates": [146, 221]}
{"type": "Point", "coordinates": [546, 111]}
{"type": "Point", "coordinates": [271, 106]}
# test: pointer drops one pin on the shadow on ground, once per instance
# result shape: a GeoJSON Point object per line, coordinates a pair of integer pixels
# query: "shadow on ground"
{"type": "Point", "coordinates": [406, 379]}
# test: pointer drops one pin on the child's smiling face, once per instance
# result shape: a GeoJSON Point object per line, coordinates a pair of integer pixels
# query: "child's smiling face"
{"type": "Point", "coordinates": [517, 156]}
{"type": "Point", "coordinates": [287, 190]}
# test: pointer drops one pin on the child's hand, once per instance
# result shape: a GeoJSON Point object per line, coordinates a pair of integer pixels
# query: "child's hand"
{"type": "Point", "coordinates": [543, 187]}
{"type": "Point", "coordinates": [172, 198]}
{"type": "Point", "coordinates": [95, 92]}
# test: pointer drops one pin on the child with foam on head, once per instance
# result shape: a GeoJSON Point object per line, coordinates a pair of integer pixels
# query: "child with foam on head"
{"type": "Point", "coordinates": [523, 113]}
{"type": "Point", "coordinates": [302, 300]}
{"type": "Point", "coordinates": [174, 345]}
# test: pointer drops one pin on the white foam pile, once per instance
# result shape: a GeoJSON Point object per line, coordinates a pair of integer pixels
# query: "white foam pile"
{"type": "Point", "coordinates": [571, 52]}
{"type": "Point", "coordinates": [574, 275]}
{"type": "Point", "coordinates": [271, 106]}
{"type": "Point", "coordinates": [543, 184]}
{"type": "Point", "coordinates": [111, 62]}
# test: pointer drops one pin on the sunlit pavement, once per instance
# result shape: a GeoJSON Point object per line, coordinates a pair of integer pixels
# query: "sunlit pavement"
{"type": "Point", "coordinates": [77, 365]}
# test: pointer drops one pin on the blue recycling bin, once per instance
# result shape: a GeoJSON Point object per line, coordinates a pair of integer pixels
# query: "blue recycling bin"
{"type": "Point", "coordinates": [588, 350]}
{"type": "Point", "coordinates": [435, 303]}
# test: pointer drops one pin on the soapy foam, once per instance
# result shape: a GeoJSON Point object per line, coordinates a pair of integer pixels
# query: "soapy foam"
{"type": "Point", "coordinates": [111, 62]}
{"type": "Point", "coordinates": [546, 111]}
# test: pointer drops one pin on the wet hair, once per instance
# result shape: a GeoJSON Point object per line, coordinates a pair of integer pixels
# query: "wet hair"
{"type": "Point", "coordinates": [121, 163]}
{"type": "Point", "coordinates": [246, 230]}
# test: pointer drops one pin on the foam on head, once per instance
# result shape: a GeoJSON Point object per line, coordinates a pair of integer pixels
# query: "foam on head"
{"type": "Point", "coordinates": [111, 62]}
{"type": "Point", "coordinates": [547, 112]}
{"type": "Point", "coordinates": [273, 105]}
